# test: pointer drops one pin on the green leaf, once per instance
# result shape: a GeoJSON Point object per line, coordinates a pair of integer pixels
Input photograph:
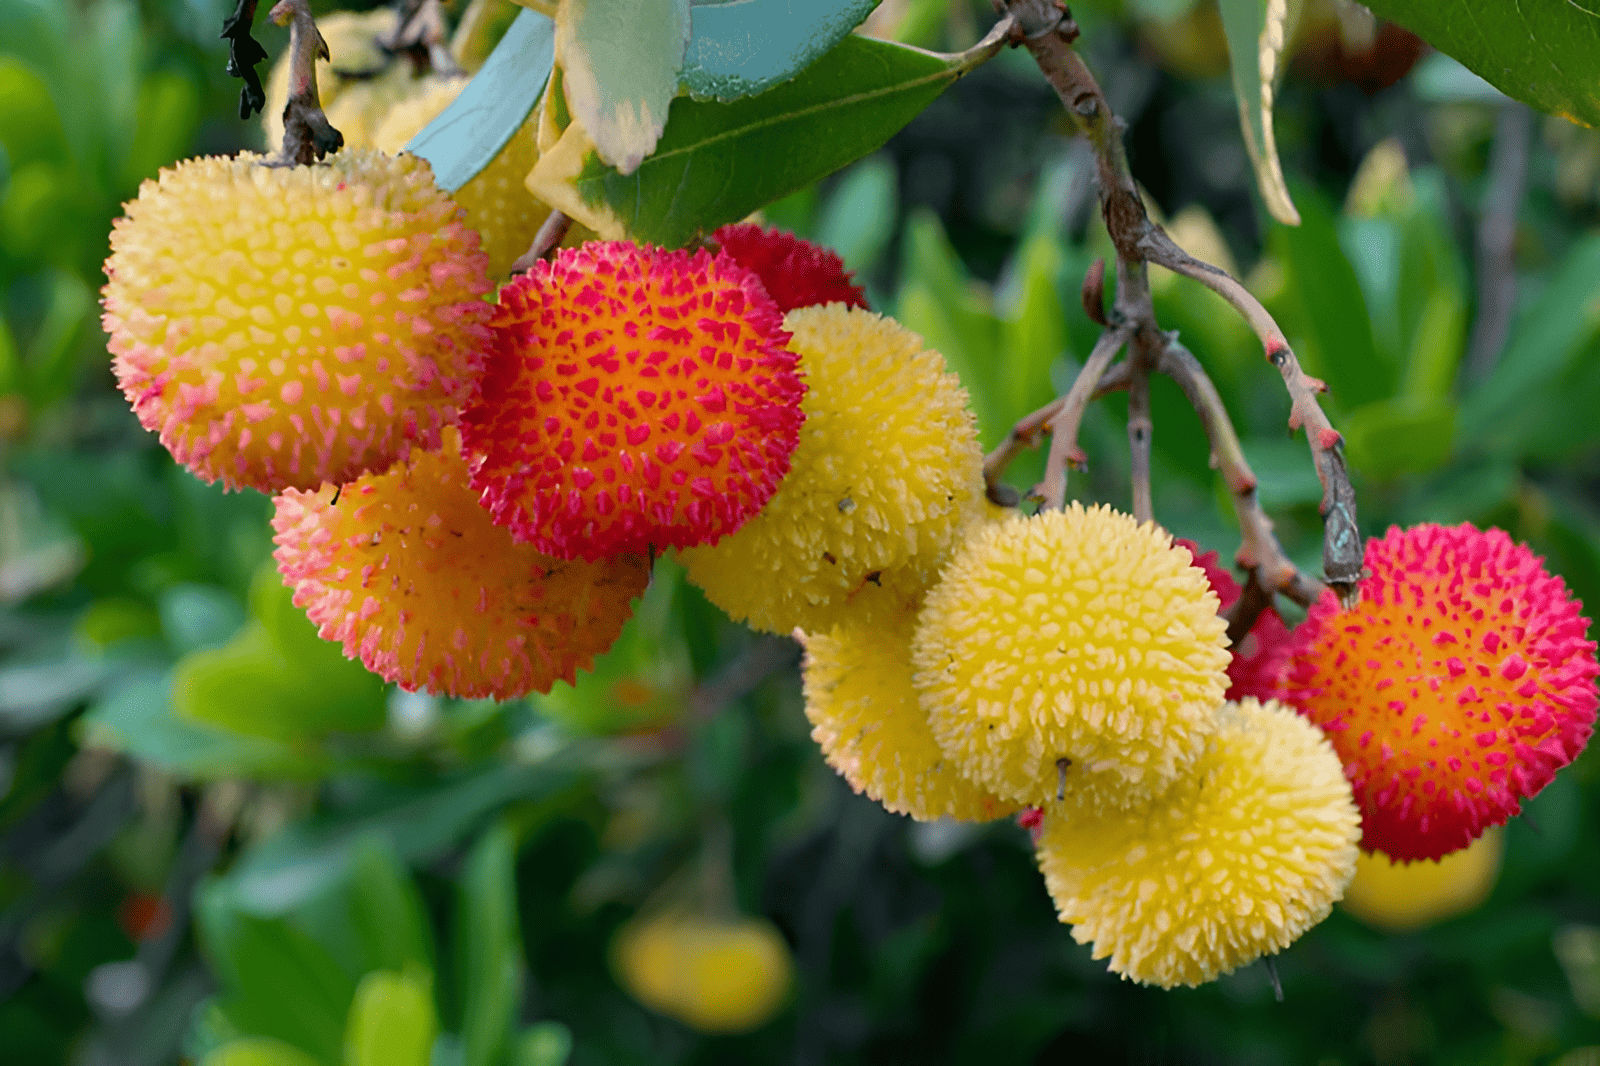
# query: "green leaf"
{"type": "Point", "coordinates": [1323, 282]}
{"type": "Point", "coordinates": [391, 1021]}
{"type": "Point", "coordinates": [1284, 473]}
{"type": "Point", "coordinates": [1033, 335]}
{"type": "Point", "coordinates": [258, 1051]}
{"type": "Point", "coordinates": [1403, 435]}
{"type": "Point", "coordinates": [496, 102]}
{"type": "Point", "coordinates": [858, 218]}
{"type": "Point", "coordinates": [619, 65]}
{"type": "Point", "coordinates": [369, 917]}
{"type": "Point", "coordinates": [285, 985]}
{"type": "Point", "coordinates": [1257, 31]}
{"type": "Point", "coordinates": [1542, 52]}
{"type": "Point", "coordinates": [52, 371]}
{"type": "Point", "coordinates": [542, 1044]}
{"type": "Point", "coordinates": [418, 824]}
{"type": "Point", "coordinates": [1545, 340]}
{"type": "Point", "coordinates": [937, 301]}
{"type": "Point", "coordinates": [136, 718]}
{"type": "Point", "coordinates": [718, 162]}
{"type": "Point", "coordinates": [490, 949]}
{"type": "Point", "coordinates": [169, 116]}
{"type": "Point", "coordinates": [746, 47]}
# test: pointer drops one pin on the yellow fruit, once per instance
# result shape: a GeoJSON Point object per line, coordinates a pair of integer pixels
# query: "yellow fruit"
{"type": "Point", "coordinates": [715, 975]}
{"type": "Point", "coordinates": [864, 713]}
{"type": "Point", "coordinates": [888, 471]}
{"type": "Point", "coordinates": [285, 326]}
{"type": "Point", "coordinates": [1401, 897]}
{"type": "Point", "coordinates": [1245, 853]}
{"type": "Point", "coordinates": [1074, 640]}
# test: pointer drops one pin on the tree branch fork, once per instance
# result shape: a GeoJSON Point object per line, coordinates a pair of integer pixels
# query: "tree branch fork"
{"type": "Point", "coordinates": [1046, 29]}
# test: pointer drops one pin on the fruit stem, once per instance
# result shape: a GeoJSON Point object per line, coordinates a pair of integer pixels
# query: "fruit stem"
{"type": "Point", "coordinates": [1026, 433]}
{"type": "Point", "coordinates": [422, 34]}
{"type": "Point", "coordinates": [1260, 554]}
{"type": "Point", "coordinates": [244, 52]}
{"type": "Point", "coordinates": [1063, 425]}
{"type": "Point", "coordinates": [1046, 29]}
{"type": "Point", "coordinates": [307, 134]}
{"type": "Point", "coordinates": [552, 231]}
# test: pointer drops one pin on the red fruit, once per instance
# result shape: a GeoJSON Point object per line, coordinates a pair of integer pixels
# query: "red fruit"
{"type": "Point", "coordinates": [795, 272]}
{"type": "Point", "coordinates": [1456, 688]}
{"type": "Point", "coordinates": [1259, 658]}
{"type": "Point", "coordinates": [635, 399]}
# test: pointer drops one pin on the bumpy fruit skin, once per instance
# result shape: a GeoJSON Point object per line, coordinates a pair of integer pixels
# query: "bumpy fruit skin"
{"type": "Point", "coordinates": [1260, 657]}
{"type": "Point", "coordinates": [865, 715]}
{"type": "Point", "coordinates": [410, 574]}
{"type": "Point", "coordinates": [795, 272]}
{"type": "Point", "coordinates": [285, 326]}
{"type": "Point", "coordinates": [887, 474]}
{"type": "Point", "coordinates": [1246, 852]}
{"type": "Point", "coordinates": [714, 975]}
{"type": "Point", "coordinates": [636, 399]}
{"type": "Point", "coordinates": [1076, 634]}
{"type": "Point", "coordinates": [1403, 897]}
{"type": "Point", "coordinates": [1455, 689]}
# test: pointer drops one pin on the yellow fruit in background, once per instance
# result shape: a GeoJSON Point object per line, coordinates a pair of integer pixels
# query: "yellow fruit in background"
{"type": "Point", "coordinates": [1403, 897]}
{"type": "Point", "coordinates": [717, 975]}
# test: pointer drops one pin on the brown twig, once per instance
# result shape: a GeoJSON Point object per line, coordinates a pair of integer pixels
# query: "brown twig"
{"type": "Point", "coordinates": [307, 134]}
{"type": "Point", "coordinates": [552, 231]}
{"type": "Point", "coordinates": [1140, 428]}
{"type": "Point", "coordinates": [1259, 551]}
{"type": "Point", "coordinates": [1046, 29]}
{"type": "Point", "coordinates": [1028, 432]}
{"type": "Point", "coordinates": [1342, 547]}
{"type": "Point", "coordinates": [1063, 425]}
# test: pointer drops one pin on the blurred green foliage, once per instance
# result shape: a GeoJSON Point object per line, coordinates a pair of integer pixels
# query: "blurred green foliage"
{"type": "Point", "coordinates": [220, 840]}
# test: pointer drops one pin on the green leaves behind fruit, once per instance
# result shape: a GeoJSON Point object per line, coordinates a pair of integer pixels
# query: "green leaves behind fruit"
{"type": "Point", "coordinates": [258, 1051]}
{"type": "Point", "coordinates": [1403, 435]}
{"type": "Point", "coordinates": [717, 162]}
{"type": "Point", "coordinates": [1543, 54]}
{"type": "Point", "coordinates": [489, 947]}
{"type": "Point", "coordinates": [391, 1021]}
{"type": "Point", "coordinates": [276, 678]}
{"type": "Point", "coordinates": [741, 49]}
{"type": "Point", "coordinates": [642, 681]}
{"type": "Point", "coordinates": [620, 61]}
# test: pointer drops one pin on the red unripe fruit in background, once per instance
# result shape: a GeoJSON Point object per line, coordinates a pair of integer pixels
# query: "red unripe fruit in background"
{"type": "Point", "coordinates": [636, 399]}
{"type": "Point", "coordinates": [1258, 659]}
{"type": "Point", "coordinates": [795, 272]}
{"type": "Point", "coordinates": [1455, 689]}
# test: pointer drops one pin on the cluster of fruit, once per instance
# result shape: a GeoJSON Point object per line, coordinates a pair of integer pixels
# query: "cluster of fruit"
{"type": "Point", "coordinates": [470, 493]}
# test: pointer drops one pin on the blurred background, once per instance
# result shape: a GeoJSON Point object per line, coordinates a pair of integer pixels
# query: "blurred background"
{"type": "Point", "coordinates": [220, 842]}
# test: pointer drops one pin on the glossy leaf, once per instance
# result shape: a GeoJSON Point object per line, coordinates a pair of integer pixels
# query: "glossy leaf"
{"type": "Point", "coordinates": [718, 162]}
{"type": "Point", "coordinates": [490, 952]}
{"type": "Point", "coordinates": [542, 1044]}
{"type": "Point", "coordinates": [391, 1021]}
{"type": "Point", "coordinates": [743, 47]}
{"type": "Point", "coordinates": [478, 123]}
{"type": "Point", "coordinates": [1542, 52]}
{"type": "Point", "coordinates": [1257, 31]}
{"type": "Point", "coordinates": [619, 62]}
